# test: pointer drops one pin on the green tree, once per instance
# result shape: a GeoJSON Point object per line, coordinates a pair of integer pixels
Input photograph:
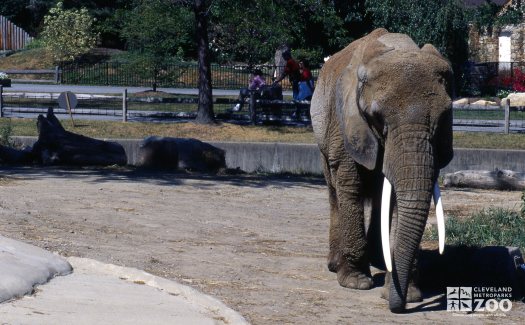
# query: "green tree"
{"type": "Point", "coordinates": [27, 14]}
{"type": "Point", "coordinates": [68, 33]}
{"type": "Point", "coordinates": [251, 31]}
{"type": "Point", "coordinates": [488, 15]}
{"type": "Point", "coordinates": [157, 33]}
{"type": "Point", "coordinates": [442, 23]}
{"type": "Point", "coordinates": [158, 29]}
{"type": "Point", "coordinates": [247, 31]}
{"type": "Point", "coordinates": [109, 18]}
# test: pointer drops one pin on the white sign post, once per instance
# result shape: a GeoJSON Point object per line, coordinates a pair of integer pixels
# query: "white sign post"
{"type": "Point", "coordinates": [68, 101]}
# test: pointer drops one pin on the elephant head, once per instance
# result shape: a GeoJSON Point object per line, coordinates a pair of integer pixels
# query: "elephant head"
{"type": "Point", "coordinates": [393, 105]}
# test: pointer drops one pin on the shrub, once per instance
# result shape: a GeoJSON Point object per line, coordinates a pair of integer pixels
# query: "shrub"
{"type": "Point", "coordinates": [6, 131]}
{"type": "Point", "coordinates": [68, 33]}
{"type": "Point", "coordinates": [514, 81]}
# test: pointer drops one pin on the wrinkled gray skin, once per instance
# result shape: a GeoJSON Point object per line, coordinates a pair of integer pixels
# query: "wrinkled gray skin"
{"type": "Point", "coordinates": [381, 108]}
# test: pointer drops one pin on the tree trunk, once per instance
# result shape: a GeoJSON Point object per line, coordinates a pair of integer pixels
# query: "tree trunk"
{"type": "Point", "coordinates": [205, 113]}
{"type": "Point", "coordinates": [497, 179]}
{"type": "Point", "coordinates": [56, 146]}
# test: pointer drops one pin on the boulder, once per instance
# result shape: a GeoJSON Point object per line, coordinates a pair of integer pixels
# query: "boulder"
{"type": "Point", "coordinates": [483, 102]}
{"type": "Point", "coordinates": [516, 99]}
{"type": "Point", "coordinates": [461, 102]}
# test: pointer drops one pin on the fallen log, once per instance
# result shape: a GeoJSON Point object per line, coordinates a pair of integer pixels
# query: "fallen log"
{"type": "Point", "coordinates": [185, 153]}
{"type": "Point", "coordinates": [497, 179]}
{"type": "Point", "coordinates": [14, 156]}
{"type": "Point", "coordinates": [56, 146]}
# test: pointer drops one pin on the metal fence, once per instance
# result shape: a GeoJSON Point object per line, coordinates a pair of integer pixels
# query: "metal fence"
{"type": "Point", "coordinates": [474, 118]}
{"type": "Point", "coordinates": [489, 78]}
{"type": "Point", "coordinates": [12, 37]}
{"type": "Point", "coordinates": [489, 120]}
{"type": "Point", "coordinates": [182, 75]}
{"type": "Point", "coordinates": [148, 109]}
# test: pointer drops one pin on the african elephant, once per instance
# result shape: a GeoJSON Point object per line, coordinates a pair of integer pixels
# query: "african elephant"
{"type": "Point", "coordinates": [382, 117]}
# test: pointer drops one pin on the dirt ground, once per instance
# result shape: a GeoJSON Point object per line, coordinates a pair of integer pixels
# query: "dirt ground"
{"type": "Point", "coordinates": [258, 243]}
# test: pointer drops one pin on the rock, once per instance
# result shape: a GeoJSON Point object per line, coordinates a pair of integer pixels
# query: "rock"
{"type": "Point", "coordinates": [483, 102]}
{"type": "Point", "coordinates": [461, 102]}
{"type": "Point", "coordinates": [516, 99]}
{"type": "Point", "coordinates": [186, 153]}
{"type": "Point", "coordinates": [24, 266]}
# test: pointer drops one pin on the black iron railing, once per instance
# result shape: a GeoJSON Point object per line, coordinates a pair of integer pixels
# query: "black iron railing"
{"type": "Point", "coordinates": [182, 75]}
{"type": "Point", "coordinates": [490, 78]}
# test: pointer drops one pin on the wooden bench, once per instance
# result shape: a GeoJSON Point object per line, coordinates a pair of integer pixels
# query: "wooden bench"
{"type": "Point", "coordinates": [267, 107]}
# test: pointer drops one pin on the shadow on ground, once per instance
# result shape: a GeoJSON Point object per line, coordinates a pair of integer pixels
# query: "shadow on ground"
{"type": "Point", "coordinates": [166, 178]}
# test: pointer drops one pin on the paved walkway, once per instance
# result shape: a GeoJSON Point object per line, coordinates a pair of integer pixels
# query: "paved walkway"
{"type": "Point", "coordinates": [16, 87]}
{"type": "Point", "coordinates": [95, 293]}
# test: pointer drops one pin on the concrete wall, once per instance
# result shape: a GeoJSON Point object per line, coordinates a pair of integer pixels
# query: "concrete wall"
{"type": "Point", "coordinates": [305, 158]}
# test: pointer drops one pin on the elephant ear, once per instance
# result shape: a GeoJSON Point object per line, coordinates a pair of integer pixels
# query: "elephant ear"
{"type": "Point", "coordinates": [360, 141]}
{"type": "Point", "coordinates": [444, 146]}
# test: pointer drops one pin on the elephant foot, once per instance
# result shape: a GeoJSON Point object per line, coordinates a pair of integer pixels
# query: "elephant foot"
{"type": "Point", "coordinates": [413, 292]}
{"type": "Point", "coordinates": [334, 261]}
{"type": "Point", "coordinates": [354, 279]}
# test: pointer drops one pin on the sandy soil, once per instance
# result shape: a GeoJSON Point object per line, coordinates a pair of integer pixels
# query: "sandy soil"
{"type": "Point", "coordinates": [258, 243]}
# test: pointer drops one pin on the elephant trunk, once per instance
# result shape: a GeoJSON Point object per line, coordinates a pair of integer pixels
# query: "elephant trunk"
{"type": "Point", "coordinates": [412, 173]}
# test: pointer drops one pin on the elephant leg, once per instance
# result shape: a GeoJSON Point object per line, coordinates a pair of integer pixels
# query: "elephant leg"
{"type": "Point", "coordinates": [334, 256]}
{"type": "Point", "coordinates": [353, 269]}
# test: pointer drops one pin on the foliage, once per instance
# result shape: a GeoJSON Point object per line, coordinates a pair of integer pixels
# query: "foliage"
{"type": "Point", "coordinates": [6, 131]}
{"type": "Point", "coordinates": [494, 226]}
{"type": "Point", "coordinates": [488, 15]}
{"type": "Point", "coordinates": [158, 30]}
{"type": "Point", "coordinates": [108, 19]}
{"type": "Point", "coordinates": [252, 31]}
{"type": "Point", "coordinates": [514, 81]}
{"type": "Point", "coordinates": [503, 93]}
{"type": "Point", "coordinates": [439, 22]}
{"type": "Point", "coordinates": [68, 33]}
{"type": "Point", "coordinates": [483, 16]}
{"type": "Point", "coordinates": [522, 208]}
{"type": "Point", "coordinates": [248, 31]}
{"type": "Point", "coordinates": [36, 43]}
{"type": "Point", "coordinates": [26, 14]}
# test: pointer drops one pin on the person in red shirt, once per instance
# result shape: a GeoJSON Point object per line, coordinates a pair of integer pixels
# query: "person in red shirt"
{"type": "Point", "coordinates": [293, 71]}
{"type": "Point", "coordinates": [306, 82]}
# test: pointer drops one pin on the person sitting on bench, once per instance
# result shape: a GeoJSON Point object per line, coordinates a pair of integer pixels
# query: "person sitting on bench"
{"type": "Point", "coordinates": [256, 82]}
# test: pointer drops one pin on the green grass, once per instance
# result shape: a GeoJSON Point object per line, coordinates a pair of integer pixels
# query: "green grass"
{"type": "Point", "coordinates": [487, 114]}
{"type": "Point", "coordinates": [489, 140]}
{"type": "Point", "coordinates": [136, 130]}
{"type": "Point", "coordinates": [232, 132]}
{"type": "Point", "coordinates": [492, 227]}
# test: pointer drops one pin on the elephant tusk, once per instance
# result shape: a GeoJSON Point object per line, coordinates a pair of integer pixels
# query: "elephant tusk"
{"type": "Point", "coordinates": [385, 223]}
{"type": "Point", "coordinates": [440, 216]}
